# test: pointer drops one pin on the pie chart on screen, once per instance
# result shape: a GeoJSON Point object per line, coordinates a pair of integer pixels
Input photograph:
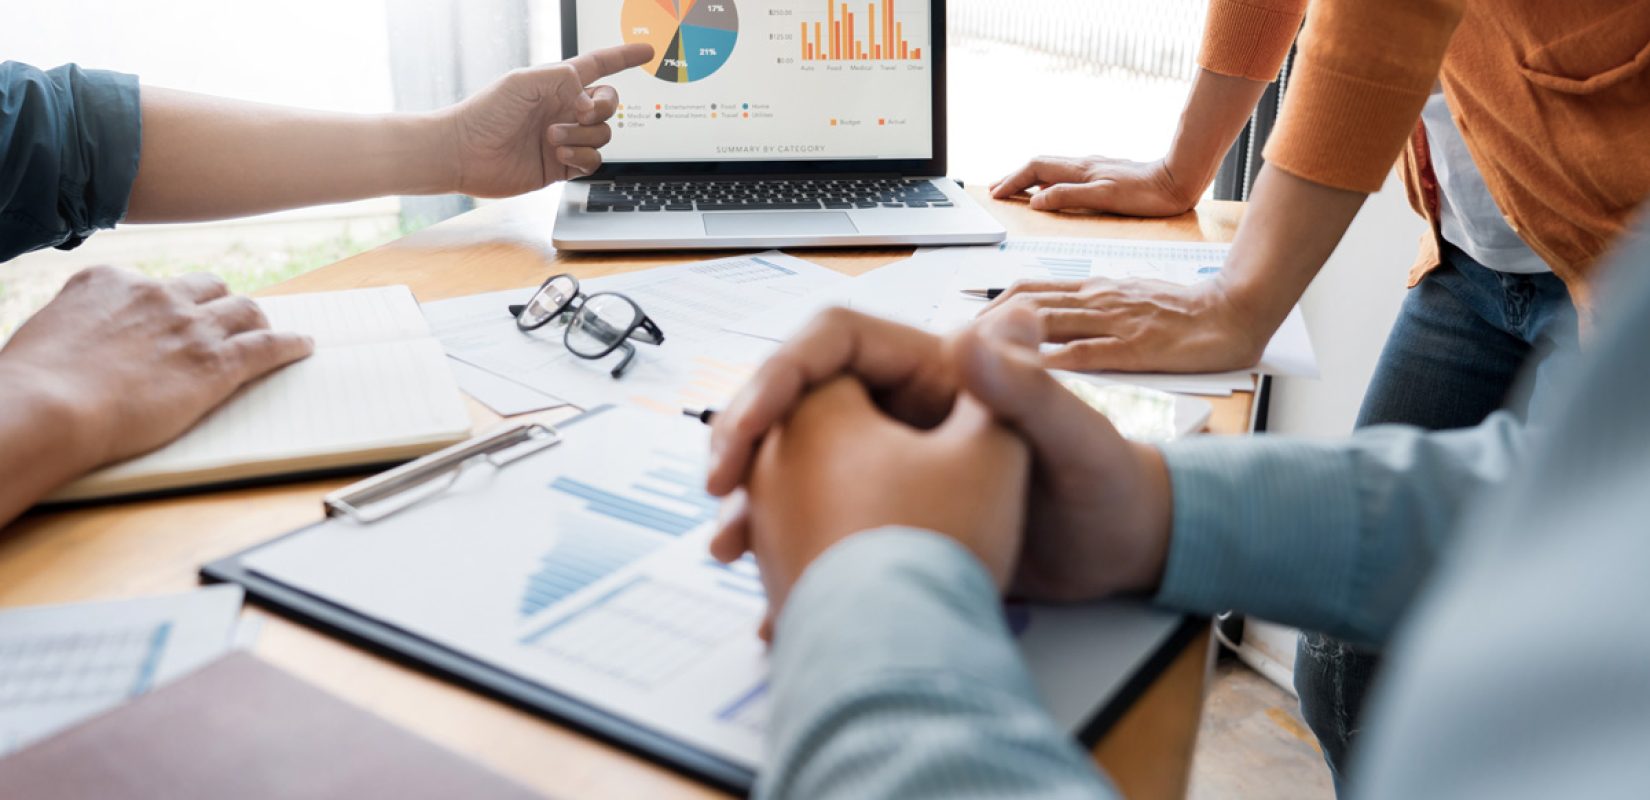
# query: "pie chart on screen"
{"type": "Point", "coordinates": [691, 39]}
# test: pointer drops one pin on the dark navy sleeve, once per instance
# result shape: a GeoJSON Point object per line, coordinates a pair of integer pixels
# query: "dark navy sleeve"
{"type": "Point", "coordinates": [69, 141]}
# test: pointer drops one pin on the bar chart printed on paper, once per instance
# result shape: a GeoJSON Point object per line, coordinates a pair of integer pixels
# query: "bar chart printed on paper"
{"type": "Point", "coordinates": [601, 587]}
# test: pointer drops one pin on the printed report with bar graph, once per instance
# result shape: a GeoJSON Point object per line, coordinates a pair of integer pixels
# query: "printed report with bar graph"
{"type": "Point", "coordinates": [583, 568]}
{"type": "Point", "coordinates": [768, 80]}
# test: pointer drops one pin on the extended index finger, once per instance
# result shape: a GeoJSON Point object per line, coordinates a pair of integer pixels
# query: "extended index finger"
{"type": "Point", "coordinates": [906, 364]}
{"type": "Point", "coordinates": [597, 64]}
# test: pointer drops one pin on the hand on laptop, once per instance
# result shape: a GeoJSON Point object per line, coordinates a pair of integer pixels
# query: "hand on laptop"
{"type": "Point", "coordinates": [128, 363]}
{"type": "Point", "coordinates": [1138, 325]}
{"type": "Point", "coordinates": [1096, 183]}
{"type": "Point", "coordinates": [539, 125]}
{"type": "Point", "coordinates": [1097, 515]}
{"type": "Point", "coordinates": [838, 466]}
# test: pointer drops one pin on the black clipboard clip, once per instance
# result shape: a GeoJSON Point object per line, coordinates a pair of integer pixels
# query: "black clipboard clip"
{"type": "Point", "coordinates": [386, 493]}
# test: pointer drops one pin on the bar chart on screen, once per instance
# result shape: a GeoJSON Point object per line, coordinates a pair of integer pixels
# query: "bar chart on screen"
{"type": "Point", "coordinates": [881, 32]}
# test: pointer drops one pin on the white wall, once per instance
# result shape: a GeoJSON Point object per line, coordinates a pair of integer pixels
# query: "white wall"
{"type": "Point", "coordinates": [1349, 309]}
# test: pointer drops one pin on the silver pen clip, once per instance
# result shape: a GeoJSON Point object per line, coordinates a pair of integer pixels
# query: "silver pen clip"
{"type": "Point", "coordinates": [384, 494]}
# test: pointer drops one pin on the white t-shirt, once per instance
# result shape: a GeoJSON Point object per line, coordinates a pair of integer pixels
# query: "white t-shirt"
{"type": "Point", "coordinates": [1467, 215]}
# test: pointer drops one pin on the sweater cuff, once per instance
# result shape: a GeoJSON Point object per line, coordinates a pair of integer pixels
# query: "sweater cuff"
{"type": "Point", "coordinates": [1249, 38]}
{"type": "Point", "coordinates": [1342, 131]}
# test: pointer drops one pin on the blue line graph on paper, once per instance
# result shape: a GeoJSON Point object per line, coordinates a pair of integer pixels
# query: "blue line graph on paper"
{"type": "Point", "coordinates": [1066, 269]}
{"type": "Point", "coordinates": [748, 710]}
{"type": "Point", "coordinates": [668, 499]}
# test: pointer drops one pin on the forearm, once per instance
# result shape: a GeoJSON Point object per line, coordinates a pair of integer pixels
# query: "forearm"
{"type": "Point", "coordinates": [1289, 230]}
{"type": "Point", "coordinates": [1334, 537]}
{"type": "Point", "coordinates": [894, 676]}
{"type": "Point", "coordinates": [208, 158]}
{"type": "Point", "coordinates": [1244, 45]}
{"type": "Point", "coordinates": [40, 447]}
{"type": "Point", "coordinates": [1217, 109]}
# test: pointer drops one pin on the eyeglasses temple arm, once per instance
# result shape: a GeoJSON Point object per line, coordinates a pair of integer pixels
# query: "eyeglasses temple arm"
{"type": "Point", "coordinates": [649, 332]}
{"type": "Point", "coordinates": [624, 363]}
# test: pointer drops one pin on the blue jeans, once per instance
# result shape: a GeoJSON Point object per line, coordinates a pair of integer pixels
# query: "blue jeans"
{"type": "Point", "coordinates": [1455, 354]}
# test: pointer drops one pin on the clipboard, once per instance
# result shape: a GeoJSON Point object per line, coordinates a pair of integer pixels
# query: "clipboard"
{"type": "Point", "coordinates": [414, 650]}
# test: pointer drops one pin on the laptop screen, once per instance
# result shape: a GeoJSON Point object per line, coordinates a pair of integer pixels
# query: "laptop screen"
{"type": "Point", "coordinates": [768, 80]}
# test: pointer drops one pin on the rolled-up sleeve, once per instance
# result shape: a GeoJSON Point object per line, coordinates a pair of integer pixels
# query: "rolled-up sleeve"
{"type": "Point", "coordinates": [1249, 38]}
{"type": "Point", "coordinates": [69, 146]}
{"type": "Point", "coordinates": [1363, 73]}
{"type": "Point", "coordinates": [1328, 536]}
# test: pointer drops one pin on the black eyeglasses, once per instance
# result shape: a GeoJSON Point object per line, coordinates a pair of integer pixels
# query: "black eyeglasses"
{"type": "Point", "coordinates": [601, 323]}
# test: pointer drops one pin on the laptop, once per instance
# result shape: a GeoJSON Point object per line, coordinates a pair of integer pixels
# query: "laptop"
{"type": "Point", "coordinates": [802, 123]}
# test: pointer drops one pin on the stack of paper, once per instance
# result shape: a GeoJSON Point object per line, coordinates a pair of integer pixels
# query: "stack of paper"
{"type": "Point", "coordinates": [699, 364]}
{"type": "Point", "coordinates": [926, 291]}
{"type": "Point", "coordinates": [723, 317]}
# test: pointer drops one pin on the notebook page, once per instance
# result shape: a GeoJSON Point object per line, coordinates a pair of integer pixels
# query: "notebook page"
{"type": "Point", "coordinates": [351, 316]}
{"type": "Point", "coordinates": [343, 400]}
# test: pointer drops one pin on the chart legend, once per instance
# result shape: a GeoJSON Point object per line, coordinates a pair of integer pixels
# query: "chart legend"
{"type": "Point", "coordinates": [845, 35]}
{"type": "Point", "coordinates": [691, 39]}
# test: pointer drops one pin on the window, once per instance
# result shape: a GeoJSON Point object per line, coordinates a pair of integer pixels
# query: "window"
{"type": "Point", "coordinates": [1068, 77]}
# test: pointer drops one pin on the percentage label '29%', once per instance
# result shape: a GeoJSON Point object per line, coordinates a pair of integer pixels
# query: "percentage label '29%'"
{"type": "Point", "coordinates": [691, 41]}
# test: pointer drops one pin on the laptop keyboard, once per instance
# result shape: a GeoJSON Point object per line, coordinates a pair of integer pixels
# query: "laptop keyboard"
{"type": "Point", "coordinates": [763, 194]}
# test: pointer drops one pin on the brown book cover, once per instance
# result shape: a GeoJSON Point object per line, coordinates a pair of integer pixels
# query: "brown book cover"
{"type": "Point", "coordinates": [244, 729]}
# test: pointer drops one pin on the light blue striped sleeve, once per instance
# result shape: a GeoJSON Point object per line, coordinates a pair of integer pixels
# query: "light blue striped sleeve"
{"type": "Point", "coordinates": [894, 675]}
{"type": "Point", "coordinates": [1332, 537]}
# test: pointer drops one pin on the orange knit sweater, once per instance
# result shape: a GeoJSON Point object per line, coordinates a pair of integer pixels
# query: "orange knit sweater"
{"type": "Point", "coordinates": [1551, 96]}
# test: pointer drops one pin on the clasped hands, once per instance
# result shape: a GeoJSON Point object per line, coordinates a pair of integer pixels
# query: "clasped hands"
{"type": "Point", "coordinates": [860, 423]}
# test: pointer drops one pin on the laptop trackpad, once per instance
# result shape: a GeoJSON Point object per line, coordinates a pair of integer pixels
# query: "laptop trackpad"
{"type": "Point", "coordinates": [790, 223]}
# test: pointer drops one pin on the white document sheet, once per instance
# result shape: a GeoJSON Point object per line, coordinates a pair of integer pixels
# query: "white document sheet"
{"type": "Point", "coordinates": [504, 396]}
{"type": "Point", "coordinates": [1288, 353]}
{"type": "Point", "coordinates": [583, 568]}
{"type": "Point", "coordinates": [699, 363]}
{"type": "Point", "coordinates": [62, 664]}
{"type": "Point", "coordinates": [924, 292]}
{"type": "Point", "coordinates": [907, 292]}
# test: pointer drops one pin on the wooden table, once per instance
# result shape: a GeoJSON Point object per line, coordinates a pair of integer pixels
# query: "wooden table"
{"type": "Point", "coordinates": [156, 546]}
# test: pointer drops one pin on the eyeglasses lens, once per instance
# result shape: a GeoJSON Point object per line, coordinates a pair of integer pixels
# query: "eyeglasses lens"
{"type": "Point", "coordinates": [602, 322]}
{"type": "Point", "coordinates": [547, 302]}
